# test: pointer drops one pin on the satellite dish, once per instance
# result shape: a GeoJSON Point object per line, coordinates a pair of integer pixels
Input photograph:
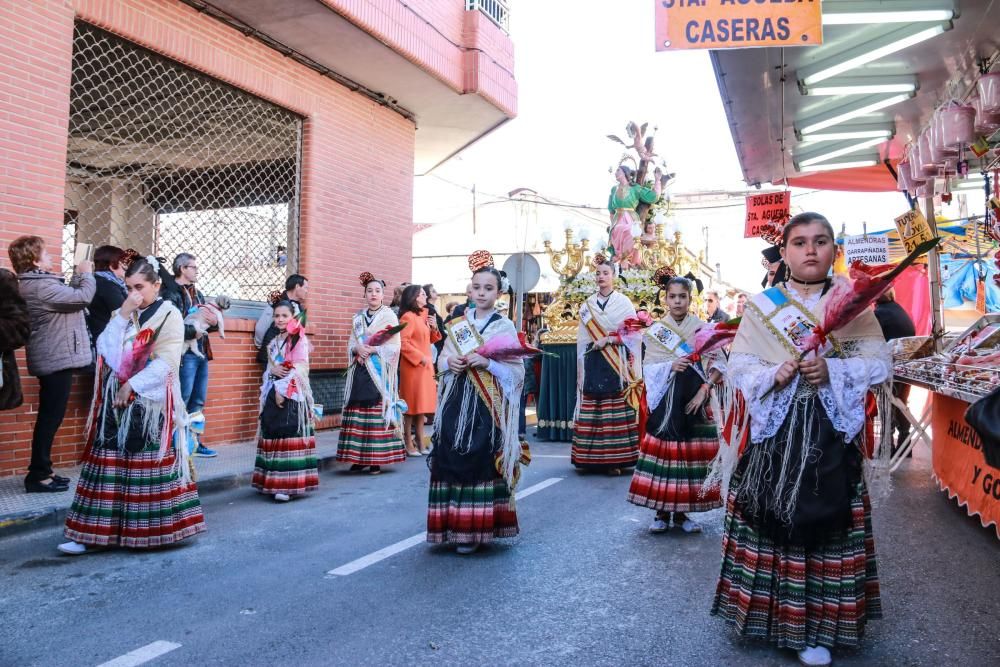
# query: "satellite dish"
{"type": "Point", "coordinates": [523, 271]}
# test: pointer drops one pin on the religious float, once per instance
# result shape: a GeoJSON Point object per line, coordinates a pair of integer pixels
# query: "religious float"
{"type": "Point", "coordinates": [641, 238]}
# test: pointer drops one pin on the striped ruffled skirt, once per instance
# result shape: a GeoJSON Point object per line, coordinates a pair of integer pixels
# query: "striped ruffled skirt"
{"type": "Point", "coordinates": [286, 465]}
{"type": "Point", "coordinates": [606, 434]}
{"type": "Point", "coordinates": [133, 500]}
{"type": "Point", "coordinates": [670, 474]}
{"type": "Point", "coordinates": [365, 439]}
{"type": "Point", "coordinates": [470, 513]}
{"type": "Point", "coordinates": [798, 596]}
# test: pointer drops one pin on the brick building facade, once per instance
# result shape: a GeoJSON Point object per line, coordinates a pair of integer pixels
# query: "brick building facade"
{"type": "Point", "coordinates": [382, 88]}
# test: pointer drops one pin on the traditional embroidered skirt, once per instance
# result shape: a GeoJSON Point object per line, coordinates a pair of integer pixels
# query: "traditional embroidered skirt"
{"type": "Point", "coordinates": [606, 434]}
{"type": "Point", "coordinates": [470, 513]}
{"type": "Point", "coordinates": [796, 596]}
{"type": "Point", "coordinates": [286, 465]}
{"type": "Point", "coordinates": [669, 474]}
{"type": "Point", "coordinates": [133, 500]}
{"type": "Point", "coordinates": [365, 439]}
{"type": "Point", "coordinates": [469, 502]}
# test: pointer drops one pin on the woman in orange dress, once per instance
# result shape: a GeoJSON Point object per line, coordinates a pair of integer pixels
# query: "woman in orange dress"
{"type": "Point", "coordinates": [416, 367]}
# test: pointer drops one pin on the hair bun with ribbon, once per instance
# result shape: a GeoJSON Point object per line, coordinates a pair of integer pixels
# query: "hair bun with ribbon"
{"type": "Point", "coordinates": [599, 259]}
{"type": "Point", "coordinates": [153, 262]}
{"type": "Point", "coordinates": [663, 275]}
{"type": "Point", "coordinates": [129, 255]}
{"type": "Point", "coordinates": [481, 259]}
{"type": "Point", "coordinates": [274, 297]}
{"type": "Point", "coordinates": [365, 278]}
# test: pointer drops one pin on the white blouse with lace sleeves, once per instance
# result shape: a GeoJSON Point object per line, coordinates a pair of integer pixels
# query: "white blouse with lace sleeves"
{"type": "Point", "coordinates": [112, 340]}
{"type": "Point", "coordinates": [869, 363]}
{"type": "Point", "coordinates": [753, 377]}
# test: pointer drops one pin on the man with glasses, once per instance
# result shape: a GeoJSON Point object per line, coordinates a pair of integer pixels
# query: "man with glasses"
{"type": "Point", "coordinates": [194, 369]}
{"type": "Point", "coordinates": [714, 308]}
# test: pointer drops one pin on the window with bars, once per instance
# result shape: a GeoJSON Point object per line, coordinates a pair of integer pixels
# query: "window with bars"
{"type": "Point", "coordinates": [164, 159]}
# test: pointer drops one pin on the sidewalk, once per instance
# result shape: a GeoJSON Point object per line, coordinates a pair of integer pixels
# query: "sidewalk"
{"type": "Point", "coordinates": [233, 467]}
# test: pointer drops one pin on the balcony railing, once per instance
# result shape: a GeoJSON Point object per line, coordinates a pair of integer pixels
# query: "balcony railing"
{"type": "Point", "coordinates": [497, 11]}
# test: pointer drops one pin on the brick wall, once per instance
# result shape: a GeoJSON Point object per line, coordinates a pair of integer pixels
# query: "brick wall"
{"type": "Point", "coordinates": [357, 177]}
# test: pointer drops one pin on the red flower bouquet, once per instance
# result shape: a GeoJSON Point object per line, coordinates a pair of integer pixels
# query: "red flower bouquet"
{"type": "Point", "coordinates": [382, 337]}
{"type": "Point", "coordinates": [633, 327]}
{"type": "Point", "coordinates": [136, 357]}
{"type": "Point", "coordinates": [713, 336]}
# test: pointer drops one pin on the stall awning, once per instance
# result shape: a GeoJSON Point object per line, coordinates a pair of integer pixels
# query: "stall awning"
{"type": "Point", "coordinates": [859, 179]}
{"type": "Point", "coordinates": [829, 116]}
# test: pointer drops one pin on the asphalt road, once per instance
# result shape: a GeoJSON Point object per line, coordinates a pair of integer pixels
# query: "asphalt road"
{"type": "Point", "coordinates": [584, 584]}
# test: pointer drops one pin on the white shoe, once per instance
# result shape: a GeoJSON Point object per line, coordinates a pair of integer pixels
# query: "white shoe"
{"type": "Point", "coordinates": [466, 549]}
{"type": "Point", "coordinates": [659, 526]}
{"type": "Point", "coordinates": [815, 656]}
{"type": "Point", "coordinates": [690, 526]}
{"type": "Point", "coordinates": [282, 497]}
{"type": "Point", "coordinates": [72, 548]}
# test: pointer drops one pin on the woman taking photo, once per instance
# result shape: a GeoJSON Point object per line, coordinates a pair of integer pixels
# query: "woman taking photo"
{"type": "Point", "coordinates": [109, 274]}
{"type": "Point", "coordinates": [798, 564]}
{"type": "Point", "coordinates": [680, 441]}
{"type": "Point", "coordinates": [286, 464]}
{"type": "Point", "coordinates": [476, 459]}
{"type": "Point", "coordinates": [416, 370]}
{"type": "Point", "coordinates": [135, 489]}
{"type": "Point", "coordinates": [59, 345]}
{"type": "Point", "coordinates": [606, 436]}
{"type": "Point", "coordinates": [370, 432]}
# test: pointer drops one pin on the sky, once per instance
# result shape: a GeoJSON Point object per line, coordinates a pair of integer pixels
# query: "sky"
{"type": "Point", "coordinates": [583, 74]}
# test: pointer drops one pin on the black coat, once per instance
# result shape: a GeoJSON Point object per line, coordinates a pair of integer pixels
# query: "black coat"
{"type": "Point", "coordinates": [108, 298]}
{"type": "Point", "coordinates": [15, 328]}
{"type": "Point", "coordinates": [894, 321]}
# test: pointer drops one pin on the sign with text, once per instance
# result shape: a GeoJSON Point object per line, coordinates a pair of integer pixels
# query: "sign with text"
{"type": "Point", "coordinates": [868, 249]}
{"type": "Point", "coordinates": [959, 465]}
{"type": "Point", "coordinates": [913, 229]}
{"type": "Point", "coordinates": [771, 208]}
{"type": "Point", "coordinates": [737, 24]}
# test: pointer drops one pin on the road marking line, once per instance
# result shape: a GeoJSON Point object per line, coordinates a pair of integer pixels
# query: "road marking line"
{"type": "Point", "coordinates": [142, 655]}
{"type": "Point", "coordinates": [544, 484]}
{"type": "Point", "coordinates": [409, 542]}
{"type": "Point", "coordinates": [379, 555]}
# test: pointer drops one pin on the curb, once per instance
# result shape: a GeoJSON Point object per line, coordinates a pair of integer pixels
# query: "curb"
{"type": "Point", "coordinates": [23, 522]}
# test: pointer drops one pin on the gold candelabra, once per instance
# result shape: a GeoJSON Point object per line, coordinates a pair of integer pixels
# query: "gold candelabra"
{"type": "Point", "coordinates": [569, 261]}
{"type": "Point", "coordinates": [664, 252]}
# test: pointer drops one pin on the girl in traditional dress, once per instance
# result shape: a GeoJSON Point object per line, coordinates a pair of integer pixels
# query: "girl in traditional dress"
{"type": "Point", "coordinates": [798, 562]}
{"type": "Point", "coordinates": [609, 377]}
{"type": "Point", "coordinates": [286, 445]}
{"type": "Point", "coordinates": [416, 369]}
{"type": "Point", "coordinates": [475, 462]}
{"type": "Point", "coordinates": [370, 436]}
{"type": "Point", "coordinates": [625, 197]}
{"type": "Point", "coordinates": [680, 442]}
{"type": "Point", "coordinates": [135, 488]}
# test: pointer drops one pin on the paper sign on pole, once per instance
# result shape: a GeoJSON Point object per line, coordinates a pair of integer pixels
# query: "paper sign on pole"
{"type": "Point", "coordinates": [913, 229]}
{"type": "Point", "coordinates": [868, 249]}
{"type": "Point", "coordinates": [770, 208]}
{"type": "Point", "coordinates": [737, 24]}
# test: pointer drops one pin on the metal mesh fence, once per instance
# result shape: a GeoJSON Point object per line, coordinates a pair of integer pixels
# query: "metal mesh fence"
{"type": "Point", "coordinates": [165, 160]}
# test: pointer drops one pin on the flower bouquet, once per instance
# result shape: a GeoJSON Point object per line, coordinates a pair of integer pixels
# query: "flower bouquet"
{"type": "Point", "coordinates": [382, 337]}
{"type": "Point", "coordinates": [713, 336]}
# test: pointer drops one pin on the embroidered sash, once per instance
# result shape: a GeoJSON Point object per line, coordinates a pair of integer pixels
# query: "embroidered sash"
{"type": "Point", "coordinates": [466, 339]}
{"type": "Point", "coordinates": [789, 321]}
{"type": "Point", "coordinates": [635, 391]}
{"type": "Point", "coordinates": [669, 338]}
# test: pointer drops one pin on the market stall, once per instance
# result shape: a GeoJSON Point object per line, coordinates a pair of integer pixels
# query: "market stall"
{"type": "Point", "coordinates": [965, 372]}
